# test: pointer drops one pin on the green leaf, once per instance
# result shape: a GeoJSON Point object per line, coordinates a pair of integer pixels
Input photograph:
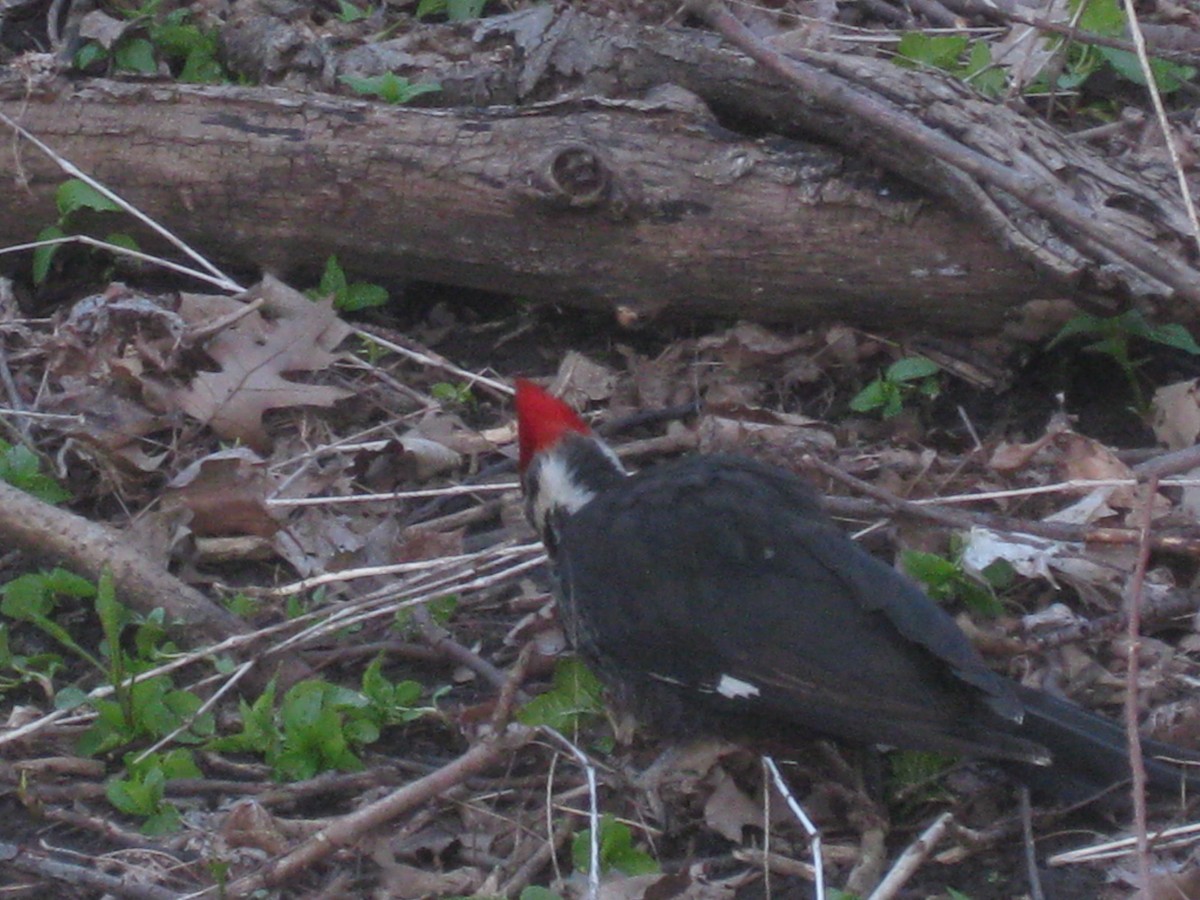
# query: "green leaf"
{"type": "Point", "coordinates": [616, 850]}
{"type": "Point", "coordinates": [390, 87]}
{"type": "Point", "coordinates": [121, 239]}
{"type": "Point", "coordinates": [135, 55]}
{"type": "Point", "coordinates": [463, 10]}
{"type": "Point", "coordinates": [911, 368]}
{"type": "Point", "coordinates": [113, 617]}
{"type": "Point", "coordinates": [989, 80]}
{"type": "Point", "coordinates": [938, 51]}
{"type": "Point", "coordinates": [42, 256]}
{"type": "Point", "coordinates": [1176, 336]}
{"type": "Point", "coordinates": [177, 41]}
{"type": "Point", "coordinates": [870, 398]}
{"type": "Point", "coordinates": [166, 821]}
{"type": "Point", "coordinates": [893, 403]}
{"type": "Point", "coordinates": [348, 12]}
{"type": "Point", "coordinates": [360, 296]}
{"type": "Point", "coordinates": [1101, 16]}
{"type": "Point", "coordinates": [534, 892]}
{"type": "Point", "coordinates": [912, 767]}
{"type": "Point", "coordinates": [74, 194]}
{"type": "Point", "coordinates": [576, 693]}
{"type": "Point", "coordinates": [180, 763]}
{"type": "Point", "coordinates": [70, 698]}
{"type": "Point", "coordinates": [1168, 76]}
{"type": "Point", "coordinates": [202, 67]}
{"type": "Point", "coordinates": [19, 466]}
{"type": "Point", "coordinates": [333, 279]}
{"type": "Point", "coordinates": [90, 53]}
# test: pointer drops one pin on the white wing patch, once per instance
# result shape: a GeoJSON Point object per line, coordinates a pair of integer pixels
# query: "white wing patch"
{"type": "Point", "coordinates": [735, 688]}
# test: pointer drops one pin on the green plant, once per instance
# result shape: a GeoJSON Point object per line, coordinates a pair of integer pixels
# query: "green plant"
{"type": "Point", "coordinates": [441, 610]}
{"type": "Point", "coordinates": [141, 708]}
{"type": "Point", "coordinates": [148, 39]}
{"type": "Point", "coordinates": [908, 377]}
{"type": "Point", "coordinates": [318, 725]}
{"type": "Point", "coordinates": [909, 769]}
{"type": "Point", "coordinates": [454, 10]}
{"type": "Point", "coordinates": [533, 892]}
{"type": "Point", "coordinates": [1108, 18]}
{"type": "Point", "coordinates": [1115, 332]}
{"type": "Point", "coordinates": [453, 394]}
{"type": "Point", "coordinates": [390, 87]}
{"type": "Point", "coordinates": [616, 850]}
{"type": "Point", "coordinates": [348, 12]}
{"type": "Point", "coordinates": [392, 703]}
{"type": "Point", "coordinates": [18, 669]}
{"type": "Point", "coordinates": [575, 696]}
{"type": "Point", "coordinates": [72, 198]}
{"type": "Point", "coordinates": [968, 60]}
{"type": "Point", "coordinates": [347, 297]}
{"type": "Point", "coordinates": [140, 791]}
{"type": "Point", "coordinates": [945, 579]}
{"type": "Point", "coordinates": [20, 467]}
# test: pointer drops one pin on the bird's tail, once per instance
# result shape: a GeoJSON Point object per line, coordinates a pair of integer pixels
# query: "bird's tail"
{"type": "Point", "coordinates": [1091, 753]}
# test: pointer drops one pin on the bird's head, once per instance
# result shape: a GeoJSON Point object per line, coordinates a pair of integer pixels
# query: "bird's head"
{"type": "Point", "coordinates": [563, 464]}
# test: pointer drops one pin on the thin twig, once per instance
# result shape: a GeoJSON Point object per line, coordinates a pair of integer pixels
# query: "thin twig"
{"type": "Point", "coordinates": [911, 859]}
{"type": "Point", "coordinates": [1160, 111]}
{"type": "Point", "coordinates": [351, 828]}
{"type": "Point", "coordinates": [1132, 679]}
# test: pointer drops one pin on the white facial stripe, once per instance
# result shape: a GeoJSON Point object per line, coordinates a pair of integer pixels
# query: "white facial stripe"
{"type": "Point", "coordinates": [735, 688]}
{"type": "Point", "coordinates": [557, 489]}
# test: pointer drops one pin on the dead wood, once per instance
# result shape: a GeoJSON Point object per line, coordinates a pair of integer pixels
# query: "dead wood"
{"type": "Point", "coordinates": [641, 206]}
{"type": "Point", "coordinates": [543, 182]}
{"type": "Point", "coordinates": [89, 548]}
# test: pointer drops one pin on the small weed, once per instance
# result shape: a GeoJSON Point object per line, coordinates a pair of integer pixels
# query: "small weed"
{"type": "Point", "coordinates": [575, 697]}
{"type": "Point", "coordinates": [72, 198]}
{"type": "Point", "coordinates": [454, 10]}
{"type": "Point", "coordinates": [140, 791]}
{"type": "Point", "coordinates": [347, 297]}
{"type": "Point", "coordinates": [318, 725]}
{"type": "Point", "coordinates": [145, 708]}
{"type": "Point", "coordinates": [454, 395]}
{"type": "Point", "coordinates": [913, 376]}
{"type": "Point", "coordinates": [441, 610]}
{"type": "Point", "coordinates": [348, 13]}
{"type": "Point", "coordinates": [1108, 18]}
{"type": "Point", "coordinates": [148, 40]}
{"type": "Point", "coordinates": [908, 769]}
{"type": "Point", "coordinates": [616, 850]}
{"type": "Point", "coordinates": [945, 579]}
{"type": "Point", "coordinates": [970, 61]}
{"type": "Point", "coordinates": [20, 467]}
{"type": "Point", "coordinates": [1115, 332]}
{"type": "Point", "coordinates": [390, 87]}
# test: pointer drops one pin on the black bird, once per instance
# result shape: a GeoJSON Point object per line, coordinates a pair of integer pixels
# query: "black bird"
{"type": "Point", "coordinates": [712, 595]}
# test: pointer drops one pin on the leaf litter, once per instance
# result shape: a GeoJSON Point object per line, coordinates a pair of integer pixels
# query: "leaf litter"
{"type": "Point", "coordinates": [149, 387]}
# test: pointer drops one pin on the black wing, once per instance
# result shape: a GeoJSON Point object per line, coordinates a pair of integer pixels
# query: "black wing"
{"type": "Point", "coordinates": [719, 578]}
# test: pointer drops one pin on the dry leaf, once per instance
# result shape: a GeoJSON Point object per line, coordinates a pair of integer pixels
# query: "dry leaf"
{"type": "Point", "coordinates": [1177, 414]}
{"type": "Point", "coordinates": [290, 333]}
{"type": "Point", "coordinates": [729, 809]}
{"type": "Point", "coordinates": [226, 493]}
{"type": "Point", "coordinates": [581, 380]}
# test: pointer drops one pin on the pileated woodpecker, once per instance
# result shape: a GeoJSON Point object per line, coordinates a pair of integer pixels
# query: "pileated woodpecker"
{"type": "Point", "coordinates": [712, 595]}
